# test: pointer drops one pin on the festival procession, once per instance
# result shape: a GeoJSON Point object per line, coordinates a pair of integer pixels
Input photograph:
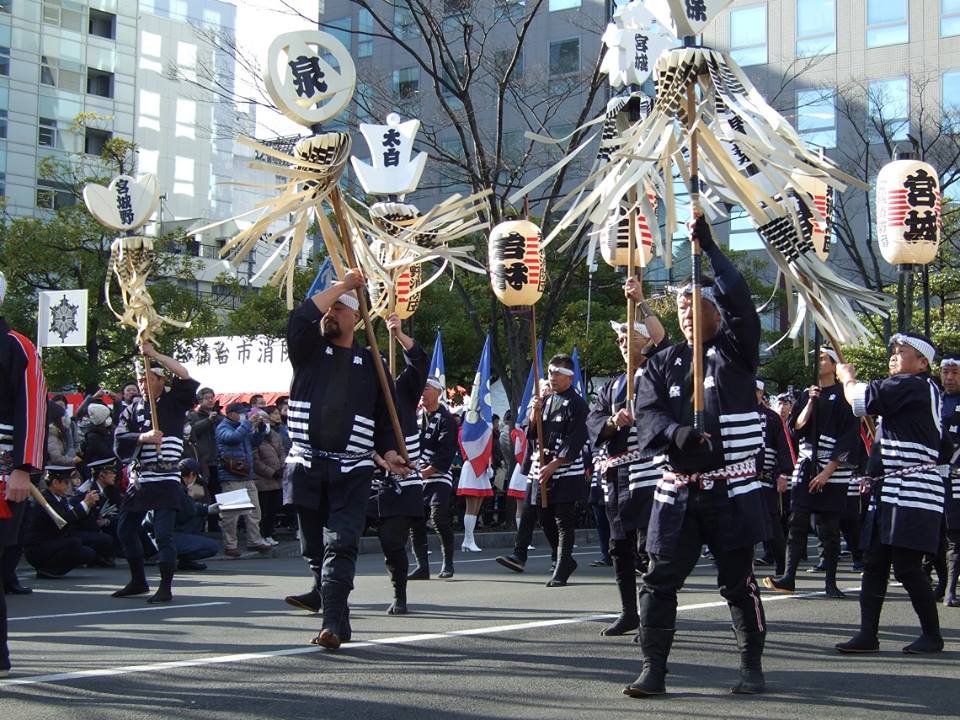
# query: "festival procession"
{"type": "Point", "coordinates": [653, 395]}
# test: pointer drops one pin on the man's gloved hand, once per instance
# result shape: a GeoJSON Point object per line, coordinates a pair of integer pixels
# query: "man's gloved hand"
{"type": "Point", "coordinates": [701, 231]}
{"type": "Point", "coordinates": [686, 438]}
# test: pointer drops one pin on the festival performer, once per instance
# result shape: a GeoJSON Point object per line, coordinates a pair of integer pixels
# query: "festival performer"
{"type": "Point", "coordinates": [950, 378]}
{"type": "Point", "coordinates": [774, 466]}
{"type": "Point", "coordinates": [907, 498]}
{"type": "Point", "coordinates": [338, 419]}
{"type": "Point", "coordinates": [629, 475]}
{"type": "Point", "coordinates": [23, 411]}
{"type": "Point", "coordinates": [709, 493]}
{"type": "Point", "coordinates": [396, 501]}
{"type": "Point", "coordinates": [825, 426]}
{"type": "Point", "coordinates": [153, 448]}
{"type": "Point", "coordinates": [564, 417]}
{"type": "Point", "coordinates": [438, 447]}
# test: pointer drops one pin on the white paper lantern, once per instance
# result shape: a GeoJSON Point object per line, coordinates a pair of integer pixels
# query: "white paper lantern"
{"type": "Point", "coordinates": [817, 226]}
{"type": "Point", "coordinates": [614, 235]}
{"type": "Point", "coordinates": [908, 212]}
{"type": "Point", "coordinates": [517, 270]}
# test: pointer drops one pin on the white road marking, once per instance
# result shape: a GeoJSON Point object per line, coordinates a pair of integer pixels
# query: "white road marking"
{"type": "Point", "coordinates": [402, 640]}
{"type": "Point", "coordinates": [116, 612]}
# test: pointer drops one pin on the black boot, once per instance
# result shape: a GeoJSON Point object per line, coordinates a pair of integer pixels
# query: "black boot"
{"type": "Point", "coordinates": [624, 570]}
{"type": "Point", "coordinates": [564, 569]}
{"type": "Point", "coordinates": [398, 578]}
{"type": "Point", "coordinates": [512, 562]}
{"type": "Point", "coordinates": [311, 601]}
{"type": "Point", "coordinates": [655, 645]}
{"type": "Point", "coordinates": [930, 640]}
{"type": "Point", "coordinates": [865, 641]}
{"type": "Point", "coordinates": [787, 582]}
{"type": "Point", "coordinates": [751, 672]}
{"type": "Point", "coordinates": [953, 573]}
{"type": "Point", "coordinates": [446, 550]}
{"type": "Point", "coordinates": [830, 586]}
{"type": "Point", "coordinates": [164, 593]}
{"type": "Point", "coordinates": [138, 580]}
{"type": "Point", "coordinates": [422, 570]}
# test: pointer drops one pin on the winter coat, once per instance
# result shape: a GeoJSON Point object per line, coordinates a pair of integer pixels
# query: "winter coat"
{"type": "Point", "coordinates": [268, 462]}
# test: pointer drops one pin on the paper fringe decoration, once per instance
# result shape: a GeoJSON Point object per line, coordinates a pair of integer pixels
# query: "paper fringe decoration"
{"type": "Point", "coordinates": [749, 151]}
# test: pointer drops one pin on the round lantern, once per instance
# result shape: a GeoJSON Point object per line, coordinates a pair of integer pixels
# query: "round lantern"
{"type": "Point", "coordinates": [395, 217]}
{"type": "Point", "coordinates": [908, 212]}
{"type": "Point", "coordinates": [517, 270]}
{"type": "Point", "coordinates": [817, 226]}
{"type": "Point", "coordinates": [614, 235]}
{"type": "Point", "coordinates": [406, 287]}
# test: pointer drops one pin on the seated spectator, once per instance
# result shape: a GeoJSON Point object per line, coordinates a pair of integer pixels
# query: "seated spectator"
{"type": "Point", "coordinates": [101, 518]}
{"type": "Point", "coordinates": [192, 545]}
{"type": "Point", "coordinates": [53, 551]}
{"type": "Point", "coordinates": [237, 437]}
{"type": "Point", "coordinates": [268, 461]}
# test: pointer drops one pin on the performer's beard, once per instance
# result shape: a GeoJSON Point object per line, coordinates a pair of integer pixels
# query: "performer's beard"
{"type": "Point", "coordinates": [330, 328]}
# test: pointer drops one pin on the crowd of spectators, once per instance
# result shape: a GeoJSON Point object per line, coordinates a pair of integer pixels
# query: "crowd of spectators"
{"type": "Point", "coordinates": [240, 446]}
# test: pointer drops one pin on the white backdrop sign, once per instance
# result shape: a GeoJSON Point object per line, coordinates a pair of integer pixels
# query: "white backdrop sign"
{"type": "Point", "coordinates": [239, 364]}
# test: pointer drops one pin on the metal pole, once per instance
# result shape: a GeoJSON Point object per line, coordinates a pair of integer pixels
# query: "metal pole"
{"type": "Point", "coordinates": [926, 300]}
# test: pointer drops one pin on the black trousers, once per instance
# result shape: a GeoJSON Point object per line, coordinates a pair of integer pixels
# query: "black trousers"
{"type": "Point", "coordinates": [59, 556]}
{"type": "Point", "coordinates": [558, 521]}
{"type": "Point", "coordinates": [907, 567]}
{"type": "Point", "coordinates": [828, 529]}
{"type": "Point", "coordinates": [603, 529]}
{"type": "Point", "coordinates": [100, 542]}
{"type": "Point", "coordinates": [4, 650]}
{"type": "Point", "coordinates": [707, 511]}
{"type": "Point", "coordinates": [393, 533]}
{"type": "Point", "coordinates": [270, 503]}
{"type": "Point", "coordinates": [440, 517]}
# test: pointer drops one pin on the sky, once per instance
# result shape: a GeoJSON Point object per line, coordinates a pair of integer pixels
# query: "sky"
{"type": "Point", "coordinates": [258, 23]}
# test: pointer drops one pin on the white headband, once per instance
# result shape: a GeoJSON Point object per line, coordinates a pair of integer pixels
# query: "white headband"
{"type": "Point", "coordinates": [706, 293]}
{"type": "Point", "coordinates": [3, 287]}
{"type": "Point", "coordinates": [760, 385]}
{"type": "Point", "coordinates": [950, 362]}
{"type": "Point", "coordinates": [921, 346]}
{"type": "Point", "coordinates": [560, 370]}
{"type": "Point", "coordinates": [621, 328]}
{"type": "Point", "coordinates": [830, 352]}
{"type": "Point", "coordinates": [434, 383]}
{"type": "Point", "coordinates": [350, 300]}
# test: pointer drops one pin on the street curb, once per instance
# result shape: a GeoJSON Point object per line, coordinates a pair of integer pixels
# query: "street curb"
{"type": "Point", "coordinates": [370, 545]}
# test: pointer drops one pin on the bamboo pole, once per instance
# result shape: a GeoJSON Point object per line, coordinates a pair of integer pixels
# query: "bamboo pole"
{"type": "Point", "coordinates": [538, 419]}
{"type": "Point", "coordinates": [631, 304]}
{"type": "Point", "coordinates": [697, 263]}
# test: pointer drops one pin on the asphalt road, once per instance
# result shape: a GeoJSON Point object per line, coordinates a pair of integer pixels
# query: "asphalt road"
{"type": "Point", "coordinates": [488, 643]}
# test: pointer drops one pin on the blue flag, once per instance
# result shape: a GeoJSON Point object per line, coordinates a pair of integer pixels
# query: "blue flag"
{"type": "Point", "coordinates": [528, 389]}
{"type": "Point", "coordinates": [438, 370]}
{"type": "Point", "coordinates": [325, 276]}
{"type": "Point", "coordinates": [578, 374]}
{"type": "Point", "coordinates": [476, 433]}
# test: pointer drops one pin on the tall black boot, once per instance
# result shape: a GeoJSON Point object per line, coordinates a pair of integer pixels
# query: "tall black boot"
{"type": "Point", "coordinates": [164, 593]}
{"type": "Point", "coordinates": [953, 574]}
{"type": "Point", "coordinates": [311, 601]}
{"type": "Point", "coordinates": [655, 645]}
{"type": "Point", "coordinates": [831, 557]}
{"type": "Point", "coordinates": [422, 570]}
{"type": "Point", "coordinates": [398, 578]}
{"type": "Point", "coordinates": [138, 580]}
{"type": "Point", "coordinates": [625, 571]}
{"type": "Point", "coordinates": [786, 583]}
{"type": "Point", "coordinates": [446, 550]}
{"type": "Point", "coordinates": [924, 604]}
{"type": "Point", "coordinates": [940, 566]}
{"type": "Point", "coordinates": [750, 644]}
{"type": "Point", "coordinates": [865, 641]}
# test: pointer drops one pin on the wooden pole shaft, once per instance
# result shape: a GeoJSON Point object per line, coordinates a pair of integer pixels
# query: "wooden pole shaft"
{"type": "Point", "coordinates": [368, 326]}
{"type": "Point", "coordinates": [697, 263]}
{"type": "Point", "coordinates": [538, 416]}
{"type": "Point", "coordinates": [631, 305]}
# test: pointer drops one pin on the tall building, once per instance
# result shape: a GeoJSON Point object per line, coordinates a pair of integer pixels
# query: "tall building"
{"type": "Point", "coordinates": [139, 70]}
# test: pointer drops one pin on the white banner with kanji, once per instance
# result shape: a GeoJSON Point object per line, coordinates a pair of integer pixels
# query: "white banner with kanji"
{"type": "Point", "coordinates": [238, 364]}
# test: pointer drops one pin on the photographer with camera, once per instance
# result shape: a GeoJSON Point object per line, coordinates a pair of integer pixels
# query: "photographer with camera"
{"type": "Point", "coordinates": [237, 436]}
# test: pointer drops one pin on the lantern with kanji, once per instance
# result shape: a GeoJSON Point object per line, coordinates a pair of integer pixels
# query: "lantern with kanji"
{"type": "Point", "coordinates": [908, 212]}
{"type": "Point", "coordinates": [815, 210]}
{"type": "Point", "coordinates": [614, 235]}
{"type": "Point", "coordinates": [406, 280]}
{"type": "Point", "coordinates": [517, 270]}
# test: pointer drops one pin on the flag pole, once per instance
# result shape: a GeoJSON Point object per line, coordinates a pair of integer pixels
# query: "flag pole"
{"type": "Point", "coordinates": [538, 416]}
{"type": "Point", "coordinates": [631, 304]}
